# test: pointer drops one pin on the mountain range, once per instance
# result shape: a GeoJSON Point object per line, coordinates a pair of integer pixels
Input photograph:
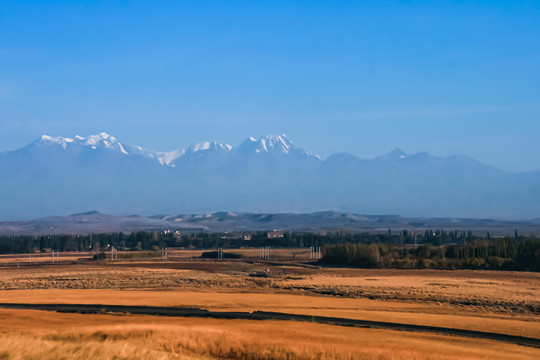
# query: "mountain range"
{"type": "Point", "coordinates": [327, 221]}
{"type": "Point", "coordinates": [60, 176]}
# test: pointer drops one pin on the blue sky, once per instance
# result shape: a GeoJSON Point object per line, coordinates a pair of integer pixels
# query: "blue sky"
{"type": "Point", "coordinates": [336, 76]}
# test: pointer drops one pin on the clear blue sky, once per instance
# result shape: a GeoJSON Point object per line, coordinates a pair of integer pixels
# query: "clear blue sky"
{"type": "Point", "coordinates": [336, 76]}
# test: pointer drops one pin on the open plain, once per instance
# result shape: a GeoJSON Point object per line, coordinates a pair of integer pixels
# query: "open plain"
{"type": "Point", "coordinates": [497, 302]}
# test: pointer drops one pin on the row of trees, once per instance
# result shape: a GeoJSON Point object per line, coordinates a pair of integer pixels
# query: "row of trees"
{"type": "Point", "coordinates": [143, 240]}
{"type": "Point", "coordinates": [435, 249]}
{"type": "Point", "coordinates": [496, 254]}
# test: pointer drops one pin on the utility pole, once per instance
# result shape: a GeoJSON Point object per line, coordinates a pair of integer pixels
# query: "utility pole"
{"type": "Point", "coordinates": [264, 252]}
{"type": "Point", "coordinates": [164, 253]}
{"type": "Point", "coordinates": [315, 252]}
{"type": "Point", "coordinates": [114, 254]}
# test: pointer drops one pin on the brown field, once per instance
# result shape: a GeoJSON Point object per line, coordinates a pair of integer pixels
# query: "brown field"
{"type": "Point", "coordinates": [499, 302]}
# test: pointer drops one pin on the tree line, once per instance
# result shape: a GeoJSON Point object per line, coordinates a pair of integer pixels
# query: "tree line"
{"type": "Point", "coordinates": [399, 249]}
{"type": "Point", "coordinates": [494, 254]}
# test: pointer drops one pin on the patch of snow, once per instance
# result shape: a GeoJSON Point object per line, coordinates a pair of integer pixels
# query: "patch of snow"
{"type": "Point", "coordinates": [167, 158]}
{"type": "Point", "coordinates": [101, 137]}
{"type": "Point", "coordinates": [265, 144]}
{"type": "Point", "coordinates": [273, 144]}
{"type": "Point", "coordinates": [205, 145]}
{"type": "Point", "coordinates": [56, 140]}
{"type": "Point", "coordinates": [209, 146]}
{"type": "Point", "coordinates": [276, 143]}
{"type": "Point", "coordinates": [122, 149]}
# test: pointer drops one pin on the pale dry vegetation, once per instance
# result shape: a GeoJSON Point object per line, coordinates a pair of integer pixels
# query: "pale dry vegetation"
{"type": "Point", "coordinates": [502, 302]}
{"type": "Point", "coordinates": [486, 291]}
{"type": "Point", "coordinates": [67, 336]}
{"type": "Point", "coordinates": [247, 300]}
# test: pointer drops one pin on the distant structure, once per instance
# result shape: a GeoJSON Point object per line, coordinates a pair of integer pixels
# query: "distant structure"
{"type": "Point", "coordinates": [176, 233]}
{"type": "Point", "coordinates": [275, 234]}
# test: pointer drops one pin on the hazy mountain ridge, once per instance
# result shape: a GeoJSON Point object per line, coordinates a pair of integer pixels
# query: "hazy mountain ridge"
{"type": "Point", "coordinates": [96, 222]}
{"type": "Point", "coordinates": [55, 175]}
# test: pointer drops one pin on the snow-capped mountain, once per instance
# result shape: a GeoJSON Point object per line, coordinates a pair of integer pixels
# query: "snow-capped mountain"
{"type": "Point", "coordinates": [272, 144]}
{"type": "Point", "coordinates": [267, 144]}
{"type": "Point", "coordinates": [101, 141]}
{"type": "Point", "coordinates": [63, 175]}
{"type": "Point", "coordinates": [209, 146]}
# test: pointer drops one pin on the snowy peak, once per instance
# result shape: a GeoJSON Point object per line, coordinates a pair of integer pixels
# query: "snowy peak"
{"type": "Point", "coordinates": [211, 146]}
{"type": "Point", "coordinates": [278, 143]}
{"type": "Point", "coordinates": [101, 140]}
{"type": "Point", "coordinates": [273, 144]}
{"type": "Point", "coordinates": [50, 140]}
{"type": "Point", "coordinates": [267, 144]}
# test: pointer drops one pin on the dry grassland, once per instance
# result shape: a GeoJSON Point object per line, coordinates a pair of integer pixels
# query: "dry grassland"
{"type": "Point", "coordinates": [391, 311]}
{"type": "Point", "coordinates": [44, 335]}
{"type": "Point", "coordinates": [502, 302]}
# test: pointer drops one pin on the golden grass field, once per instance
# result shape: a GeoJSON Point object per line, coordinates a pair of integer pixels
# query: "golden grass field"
{"type": "Point", "coordinates": [501, 302]}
